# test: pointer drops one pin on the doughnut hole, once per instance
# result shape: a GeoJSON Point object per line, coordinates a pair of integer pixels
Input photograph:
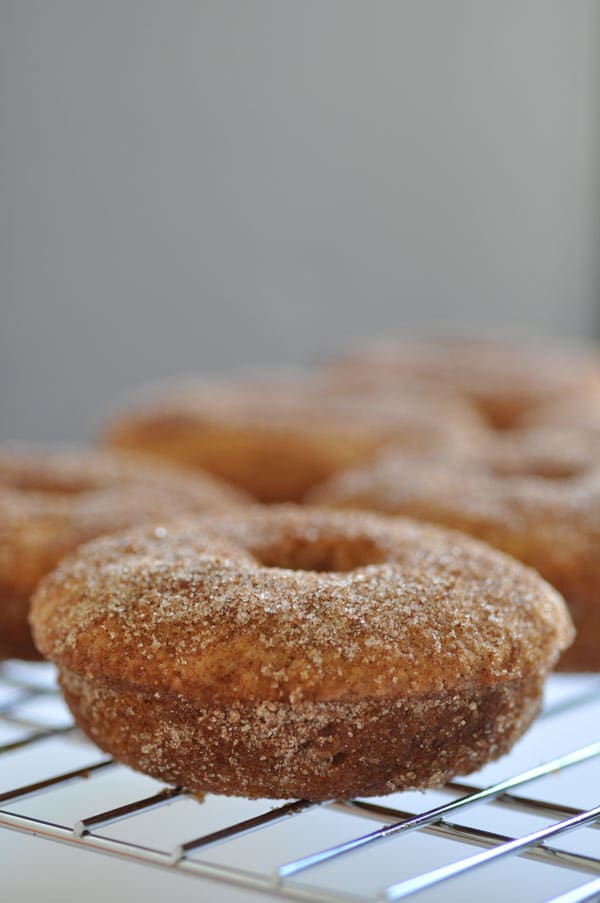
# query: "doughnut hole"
{"type": "Point", "coordinates": [326, 554]}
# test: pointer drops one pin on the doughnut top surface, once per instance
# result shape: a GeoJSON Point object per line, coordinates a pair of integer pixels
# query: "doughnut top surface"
{"type": "Point", "coordinates": [297, 604]}
{"type": "Point", "coordinates": [54, 499]}
{"type": "Point", "coordinates": [506, 380]}
{"type": "Point", "coordinates": [552, 524]}
{"type": "Point", "coordinates": [467, 493]}
{"type": "Point", "coordinates": [277, 440]}
{"type": "Point", "coordinates": [69, 472]}
{"type": "Point", "coordinates": [309, 409]}
{"type": "Point", "coordinates": [298, 405]}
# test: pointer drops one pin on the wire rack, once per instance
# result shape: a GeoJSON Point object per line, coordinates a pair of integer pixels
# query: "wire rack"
{"type": "Point", "coordinates": [537, 809]}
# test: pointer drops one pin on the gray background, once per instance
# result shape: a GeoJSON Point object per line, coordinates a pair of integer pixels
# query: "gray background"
{"type": "Point", "coordinates": [214, 185]}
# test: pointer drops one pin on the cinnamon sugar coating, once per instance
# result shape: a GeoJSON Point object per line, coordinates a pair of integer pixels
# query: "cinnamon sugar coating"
{"type": "Point", "coordinates": [553, 525]}
{"type": "Point", "coordinates": [52, 500]}
{"type": "Point", "coordinates": [506, 381]}
{"type": "Point", "coordinates": [298, 652]}
{"type": "Point", "coordinates": [277, 440]}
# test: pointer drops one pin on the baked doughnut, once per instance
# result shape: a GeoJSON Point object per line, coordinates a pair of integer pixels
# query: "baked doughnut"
{"type": "Point", "coordinates": [53, 500]}
{"type": "Point", "coordinates": [292, 652]}
{"type": "Point", "coordinates": [552, 525]}
{"type": "Point", "coordinates": [505, 381]}
{"type": "Point", "coordinates": [276, 441]}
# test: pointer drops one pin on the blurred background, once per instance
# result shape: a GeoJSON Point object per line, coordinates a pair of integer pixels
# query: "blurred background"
{"type": "Point", "coordinates": [221, 184]}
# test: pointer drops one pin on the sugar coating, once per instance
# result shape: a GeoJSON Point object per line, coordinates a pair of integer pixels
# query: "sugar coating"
{"type": "Point", "coordinates": [276, 441]}
{"type": "Point", "coordinates": [506, 380]}
{"type": "Point", "coordinates": [552, 525]}
{"type": "Point", "coordinates": [52, 500]}
{"type": "Point", "coordinates": [279, 627]}
{"type": "Point", "coordinates": [300, 405]}
{"type": "Point", "coordinates": [66, 473]}
{"type": "Point", "coordinates": [194, 605]}
{"type": "Point", "coordinates": [316, 750]}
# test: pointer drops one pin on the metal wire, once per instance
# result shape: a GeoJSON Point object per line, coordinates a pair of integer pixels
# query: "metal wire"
{"type": "Point", "coordinates": [93, 831]}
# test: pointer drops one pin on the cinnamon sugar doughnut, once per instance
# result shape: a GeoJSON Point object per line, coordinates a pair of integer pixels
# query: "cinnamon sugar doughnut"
{"type": "Point", "coordinates": [276, 441]}
{"type": "Point", "coordinates": [552, 525]}
{"type": "Point", "coordinates": [291, 652]}
{"type": "Point", "coordinates": [53, 500]}
{"type": "Point", "coordinates": [505, 381]}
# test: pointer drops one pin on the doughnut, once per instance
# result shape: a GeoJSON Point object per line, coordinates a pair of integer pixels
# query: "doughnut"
{"type": "Point", "coordinates": [550, 522]}
{"type": "Point", "coordinates": [505, 381]}
{"type": "Point", "coordinates": [292, 652]}
{"type": "Point", "coordinates": [51, 500]}
{"type": "Point", "coordinates": [276, 441]}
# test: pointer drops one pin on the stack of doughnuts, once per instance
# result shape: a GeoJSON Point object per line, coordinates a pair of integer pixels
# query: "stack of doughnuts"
{"type": "Point", "coordinates": [220, 617]}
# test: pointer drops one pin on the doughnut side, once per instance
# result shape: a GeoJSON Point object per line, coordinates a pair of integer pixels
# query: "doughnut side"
{"type": "Point", "coordinates": [15, 635]}
{"type": "Point", "coordinates": [310, 750]}
{"type": "Point", "coordinates": [578, 580]}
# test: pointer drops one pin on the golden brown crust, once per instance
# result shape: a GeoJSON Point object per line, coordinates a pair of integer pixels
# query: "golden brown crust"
{"type": "Point", "coordinates": [506, 381]}
{"type": "Point", "coordinates": [552, 525]}
{"type": "Point", "coordinates": [53, 500]}
{"type": "Point", "coordinates": [276, 441]}
{"type": "Point", "coordinates": [315, 617]}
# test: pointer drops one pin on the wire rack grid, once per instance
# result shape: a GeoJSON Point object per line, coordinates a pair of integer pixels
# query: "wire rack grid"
{"type": "Point", "coordinates": [528, 811]}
